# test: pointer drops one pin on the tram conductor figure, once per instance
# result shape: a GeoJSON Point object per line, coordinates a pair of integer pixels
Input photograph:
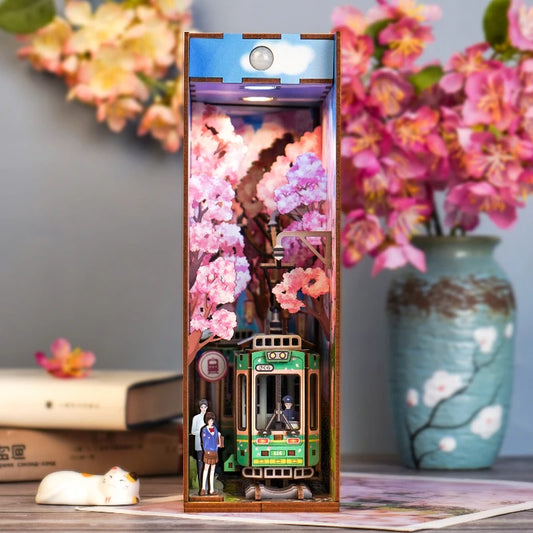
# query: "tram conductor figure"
{"type": "Point", "coordinates": [289, 412]}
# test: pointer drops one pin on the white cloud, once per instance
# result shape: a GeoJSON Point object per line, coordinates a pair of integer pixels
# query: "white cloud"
{"type": "Point", "coordinates": [289, 59]}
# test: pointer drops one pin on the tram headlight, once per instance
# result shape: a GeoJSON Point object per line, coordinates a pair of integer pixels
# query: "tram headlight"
{"type": "Point", "coordinates": [278, 355]}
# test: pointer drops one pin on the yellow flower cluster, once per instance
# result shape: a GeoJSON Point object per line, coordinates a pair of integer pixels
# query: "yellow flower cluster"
{"type": "Point", "coordinates": [124, 58]}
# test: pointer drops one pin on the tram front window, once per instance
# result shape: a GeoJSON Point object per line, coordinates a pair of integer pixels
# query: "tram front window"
{"type": "Point", "coordinates": [274, 411]}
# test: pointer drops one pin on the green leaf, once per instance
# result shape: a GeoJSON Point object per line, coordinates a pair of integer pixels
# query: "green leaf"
{"type": "Point", "coordinates": [495, 23]}
{"type": "Point", "coordinates": [426, 77]}
{"type": "Point", "coordinates": [25, 16]}
{"type": "Point", "coordinates": [373, 32]}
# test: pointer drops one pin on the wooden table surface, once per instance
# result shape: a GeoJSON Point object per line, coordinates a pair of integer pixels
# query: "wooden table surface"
{"type": "Point", "coordinates": [18, 512]}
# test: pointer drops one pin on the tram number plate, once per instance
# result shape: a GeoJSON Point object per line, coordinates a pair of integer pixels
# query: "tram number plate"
{"type": "Point", "coordinates": [264, 368]}
{"type": "Point", "coordinates": [277, 452]}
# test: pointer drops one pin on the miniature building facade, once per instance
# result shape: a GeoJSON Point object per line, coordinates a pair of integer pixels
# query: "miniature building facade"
{"type": "Point", "coordinates": [261, 273]}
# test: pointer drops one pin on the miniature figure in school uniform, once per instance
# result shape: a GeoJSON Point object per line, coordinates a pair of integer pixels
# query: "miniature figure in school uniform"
{"type": "Point", "coordinates": [289, 412]}
{"type": "Point", "coordinates": [211, 440]}
{"type": "Point", "coordinates": [198, 422]}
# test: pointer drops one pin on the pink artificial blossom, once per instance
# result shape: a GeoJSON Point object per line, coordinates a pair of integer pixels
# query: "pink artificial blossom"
{"type": "Point", "coordinates": [520, 25]}
{"type": "Point", "coordinates": [362, 233]}
{"type": "Point", "coordinates": [492, 98]}
{"type": "Point", "coordinates": [390, 92]}
{"type": "Point", "coordinates": [306, 184]}
{"type": "Point", "coordinates": [312, 282]}
{"type": "Point", "coordinates": [217, 279]}
{"type": "Point", "coordinates": [65, 362]}
{"type": "Point", "coordinates": [474, 197]}
{"type": "Point", "coordinates": [223, 323]}
{"type": "Point", "coordinates": [407, 218]}
{"type": "Point", "coordinates": [210, 198]}
{"type": "Point", "coordinates": [406, 39]}
{"type": "Point", "coordinates": [397, 256]}
{"type": "Point", "coordinates": [462, 65]}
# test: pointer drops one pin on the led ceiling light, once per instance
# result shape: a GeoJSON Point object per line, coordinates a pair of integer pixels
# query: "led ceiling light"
{"type": "Point", "coordinates": [258, 98]}
{"type": "Point", "coordinates": [260, 87]}
{"type": "Point", "coordinates": [261, 58]}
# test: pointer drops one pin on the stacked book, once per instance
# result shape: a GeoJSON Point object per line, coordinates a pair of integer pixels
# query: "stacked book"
{"type": "Point", "coordinates": [112, 417]}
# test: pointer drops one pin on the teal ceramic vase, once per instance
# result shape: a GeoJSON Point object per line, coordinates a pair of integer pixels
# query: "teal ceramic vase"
{"type": "Point", "coordinates": [451, 354]}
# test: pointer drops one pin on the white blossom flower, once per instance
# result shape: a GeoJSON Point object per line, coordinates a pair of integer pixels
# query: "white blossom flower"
{"type": "Point", "coordinates": [440, 386]}
{"type": "Point", "coordinates": [412, 397]}
{"type": "Point", "coordinates": [509, 330]}
{"type": "Point", "coordinates": [447, 444]}
{"type": "Point", "coordinates": [485, 338]}
{"type": "Point", "coordinates": [488, 421]}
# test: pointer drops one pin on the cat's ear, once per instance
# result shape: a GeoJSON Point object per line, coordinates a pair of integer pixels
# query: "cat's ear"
{"type": "Point", "coordinates": [132, 476]}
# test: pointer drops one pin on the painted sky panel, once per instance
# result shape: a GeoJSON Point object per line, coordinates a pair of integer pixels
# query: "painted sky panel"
{"type": "Point", "coordinates": [294, 58]}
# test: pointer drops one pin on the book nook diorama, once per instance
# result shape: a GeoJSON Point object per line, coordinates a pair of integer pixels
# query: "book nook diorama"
{"type": "Point", "coordinates": [261, 273]}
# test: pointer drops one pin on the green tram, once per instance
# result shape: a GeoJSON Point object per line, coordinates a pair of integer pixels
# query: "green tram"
{"type": "Point", "coordinates": [269, 446]}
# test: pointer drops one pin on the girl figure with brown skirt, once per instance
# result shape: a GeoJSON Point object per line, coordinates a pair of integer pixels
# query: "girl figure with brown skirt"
{"type": "Point", "coordinates": [210, 444]}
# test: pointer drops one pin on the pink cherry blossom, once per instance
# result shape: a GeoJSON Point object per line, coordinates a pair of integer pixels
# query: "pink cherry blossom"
{"type": "Point", "coordinates": [498, 159]}
{"type": "Point", "coordinates": [476, 197]}
{"type": "Point", "coordinates": [65, 362]}
{"type": "Point", "coordinates": [414, 130]}
{"type": "Point", "coordinates": [306, 184]}
{"type": "Point", "coordinates": [286, 294]}
{"type": "Point", "coordinates": [407, 218]}
{"type": "Point", "coordinates": [216, 149]}
{"type": "Point", "coordinates": [310, 141]}
{"type": "Point", "coordinates": [492, 98]}
{"type": "Point", "coordinates": [356, 54]}
{"type": "Point", "coordinates": [108, 74]}
{"type": "Point", "coordinates": [242, 273]}
{"type": "Point", "coordinates": [271, 181]}
{"type": "Point", "coordinates": [315, 282]}
{"type": "Point", "coordinates": [390, 92]}
{"type": "Point", "coordinates": [461, 65]}
{"type": "Point", "coordinates": [392, 9]}
{"type": "Point", "coordinates": [210, 198]}
{"type": "Point", "coordinates": [311, 281]}
{"type": "Point", "coordinates": [223, 323]}
{"type": "Point", "coordinates": [117, 112]}
{"type": "Point", "coordinates": [406, 40]}
{"type": "Point", "coordinates": [362, 233]}
{"type": "Point", "coordinates": [202, 237]}
{"type": "Point", "coordinates": [396, 256]}
{"type": "Point", "coordinates": [520, 25]}
{"type": "Point", "coordinates": [45, 47]}
{"type": "Point", "coordinates": [152, 41]}
{"type": "Point", "coordinates": [349, 18]}
{"type": "Point", "coordinates": [217, 280]}
{"type": "Point", "coordinates": [96, 29]}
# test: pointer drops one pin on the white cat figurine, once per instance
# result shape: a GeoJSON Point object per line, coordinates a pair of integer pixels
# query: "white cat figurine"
{"type": "Point", "coordinates": [116, 487]}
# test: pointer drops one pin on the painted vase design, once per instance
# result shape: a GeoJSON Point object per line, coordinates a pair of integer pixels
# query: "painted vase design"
{"type": "Point", "coordinates": [451, 333]}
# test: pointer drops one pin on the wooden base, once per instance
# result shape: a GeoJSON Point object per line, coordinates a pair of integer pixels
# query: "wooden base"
{"type": "Point", "coordinates": [207, 498]}
{"type": "Point", "coordinates": [205, 504]}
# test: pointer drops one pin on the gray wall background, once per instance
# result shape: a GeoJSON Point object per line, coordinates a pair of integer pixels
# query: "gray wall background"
{"type": "Point", "coordinates": [90, 233]}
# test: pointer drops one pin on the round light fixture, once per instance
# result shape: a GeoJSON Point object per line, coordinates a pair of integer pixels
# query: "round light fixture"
{"type": "Point", "coordinates": [261, 58]}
